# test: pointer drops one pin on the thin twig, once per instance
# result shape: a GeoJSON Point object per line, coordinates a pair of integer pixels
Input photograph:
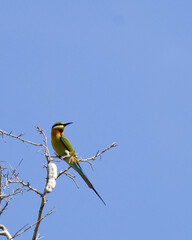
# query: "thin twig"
{"type": "Point", "coordinates": [45, 146]}
{"type": "Point", "coordinates": [14, 178]}
{"type": "Point", "coordinates": [21, 229]}
{"type": "Point", "coordinates": [63, 172]}
{"type": "Point", "coordinates": [38, 221]}
{"type": "Point", "coordinates": [1, 171]}
{"type": "Point", "coordinates": [10, 196]}
{"type": "Point", "coordinates": [5, 232]}
{"type": "Point", "coordinates": [19, 138]}
{"type": "Point", "coordinates": [43, 200]}
{"type": "Point", "coordinates": [98, 153]}
{"type": "Point", "coordinates": [27, 185]}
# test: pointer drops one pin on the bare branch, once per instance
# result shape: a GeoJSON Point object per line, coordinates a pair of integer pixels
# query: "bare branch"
{"type": "Point", "coordinates": [5, 232]}
{"type": "Point", "coordinates": [10, 196]}
{"type": "Point", "coordinates": [45, 146]}
{"type": "Point", "coordinates": [43, 202]}
{"type": "Point", "coordinates": [62, 158]}
{"type": "Point", "coordinates": [98, 154]}
{"type": "Point", "coordinates": [22, 231]}
{"type": "Point", "coordinates": [14, 178]}
{"type": "Point", "coordinates": [1, 172]}
{"type": "Point", "coordinates": [88, 160]}
{"type": "Point", "coordinates": [27, 185]}
{"type": "Point", "coordinates": [19, 138]}
{"type": "Point", "coordinates": [6, 193]}
{"type": "Point", "coordinates": [63, 172]}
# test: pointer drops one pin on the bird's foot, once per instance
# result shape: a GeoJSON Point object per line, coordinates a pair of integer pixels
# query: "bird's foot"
{"type": "Point", "coordinates": [71, 160]}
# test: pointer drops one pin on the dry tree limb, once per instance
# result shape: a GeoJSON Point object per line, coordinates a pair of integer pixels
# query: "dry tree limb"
{"type": "Point", "coordinates": [1, 172]}
{"type": "Point", "coordinates": [88, 160]}
{"type": "Point", "coordinates": [43, 200]}
{"type": "Point", "coordinates": [98, 154]}
{"type": "Point", "coordinates": [27, 185]}
{"type": "Point", "coordinates": [22, 231]}
{"type": "Point", "coordinates": [5, 232]}
{"type": "Point", "coordinates": [45, 145]}
{"type": "Point", "coordinates": [6, 193]}
{"type": "Point", "coordinates": [19, 138]}
{"type": "Point", "coordinates": [14, 178]}
{"type": "Point", "coordinates": [63, 172]}
{"type": "Point", "coordinates": [39, 218]}
{"type": "Point", "coordinates": [10, 196]}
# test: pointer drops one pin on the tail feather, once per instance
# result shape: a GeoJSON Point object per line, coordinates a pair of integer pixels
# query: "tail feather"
{"type": "Point", "coordinates": [98, 195]}
{"type": "Point", "coordinates": [78, 168]}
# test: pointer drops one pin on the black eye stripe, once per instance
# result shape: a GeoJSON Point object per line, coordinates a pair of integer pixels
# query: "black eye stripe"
{"type": "Point", "coordinates": [55, 125]}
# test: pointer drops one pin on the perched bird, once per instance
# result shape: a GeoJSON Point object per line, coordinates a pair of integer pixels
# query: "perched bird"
{"type": "Point", "coordinates": [63, 148]}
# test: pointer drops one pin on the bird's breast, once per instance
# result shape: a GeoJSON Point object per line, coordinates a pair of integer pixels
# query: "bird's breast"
{"type": "Point", "coordinates": [57, 144]}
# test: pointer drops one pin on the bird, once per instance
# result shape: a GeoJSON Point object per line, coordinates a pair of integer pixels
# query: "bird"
{"type": "Point", "coordinates": [63, 148]}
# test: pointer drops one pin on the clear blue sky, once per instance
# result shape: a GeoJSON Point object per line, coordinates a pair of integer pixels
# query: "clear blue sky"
{"type": "Point", "coordinates": [121, 71]}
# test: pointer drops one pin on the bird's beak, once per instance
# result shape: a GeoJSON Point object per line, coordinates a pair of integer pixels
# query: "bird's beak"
{"type": "Point", "coordinates": [67, 124]}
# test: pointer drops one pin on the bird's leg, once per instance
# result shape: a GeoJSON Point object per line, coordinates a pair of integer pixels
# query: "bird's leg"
{"type": "Point", "coordinates": [73, 158]}
{"type": "Point", "coordinates": [70, 156]}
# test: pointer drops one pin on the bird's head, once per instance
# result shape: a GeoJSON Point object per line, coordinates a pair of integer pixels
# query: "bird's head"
{"type": "Point", "coordinates": [60, 126]}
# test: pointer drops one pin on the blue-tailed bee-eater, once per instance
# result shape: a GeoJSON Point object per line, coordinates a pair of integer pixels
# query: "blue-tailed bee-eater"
{"type": "Point", "coordinates": [63, 148]}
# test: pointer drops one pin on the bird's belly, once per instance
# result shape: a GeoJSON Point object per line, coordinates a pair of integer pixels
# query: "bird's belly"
{"type": "Point", "coordinates": [59, 148]}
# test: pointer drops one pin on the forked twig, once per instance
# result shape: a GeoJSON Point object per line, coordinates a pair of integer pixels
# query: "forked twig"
{"type": "Point", "coordinates": [19, 138]}
{"type": "Point", "coordinates": [98, 154]}
{"type": "Point", "coordinates": [14, 178]}
{"type": "Point", "coordinates": [19, 233]}
{"type": "Point", "coordinates": [5, 232]}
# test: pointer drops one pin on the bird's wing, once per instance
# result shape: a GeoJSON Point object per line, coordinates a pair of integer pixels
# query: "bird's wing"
{"type": "Point", "coordinates": [67, 144]}
{"type": "Point", "coordinates": [75, 164]}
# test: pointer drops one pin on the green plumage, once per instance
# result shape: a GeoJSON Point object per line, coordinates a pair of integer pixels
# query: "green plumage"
{"type": "Point", "coordinates": [63, 147]}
